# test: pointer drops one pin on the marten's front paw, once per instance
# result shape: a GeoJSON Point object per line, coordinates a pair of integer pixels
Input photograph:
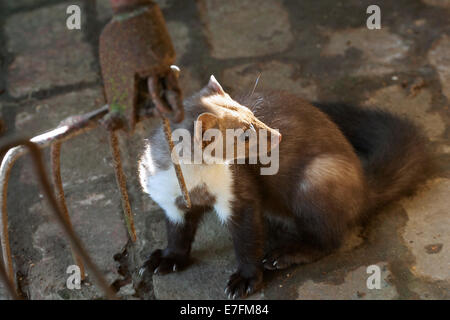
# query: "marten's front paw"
{"type": "Point", "coordinates": [240, 286]}
{"type": "Point", "coordinates": [162, 262]}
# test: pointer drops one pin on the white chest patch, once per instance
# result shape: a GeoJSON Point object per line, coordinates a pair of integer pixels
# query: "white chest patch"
{"type": "Point", "coordinates": [163, 188]}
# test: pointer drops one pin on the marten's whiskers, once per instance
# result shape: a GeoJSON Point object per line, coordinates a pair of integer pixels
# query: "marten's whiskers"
{"type": "Point", "coordinates": [256, 83]}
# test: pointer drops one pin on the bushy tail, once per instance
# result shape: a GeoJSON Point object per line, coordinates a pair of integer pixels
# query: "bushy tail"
{"type": "Point", "coordinates": [394, 152]}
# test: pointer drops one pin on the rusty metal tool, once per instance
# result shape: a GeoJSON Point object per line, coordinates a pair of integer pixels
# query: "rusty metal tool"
{"type": "Point", "coordinates": [136, 56]}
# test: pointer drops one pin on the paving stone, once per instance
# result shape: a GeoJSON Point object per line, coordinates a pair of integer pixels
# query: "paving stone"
{"type": "Point", "coordinates": [37, 116]}
{"type": "Point", "coordinates": [439, 58]}
{"type": "Point", "coordinates": [96, 215]}
{"type": "Point", "coordinates": [426, 232]}
{"type": "Point", "coordinates": [274, 75]}
{"type": "Point", "coordinates": [398, 100]}
{"type": "Point", "coordinates": [51, 56]}
{"type": "Point", "coordinates": [354, 287]}
{"type": "Point", "coordinates": [238, 28]}
{"type": "Point", "coordinates": [380, 48]}
{"type": "Point", "coordinates": [89, 150]}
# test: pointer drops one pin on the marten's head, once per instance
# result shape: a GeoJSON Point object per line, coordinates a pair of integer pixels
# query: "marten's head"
{"type": "Point", "coordinates": [229, 131]}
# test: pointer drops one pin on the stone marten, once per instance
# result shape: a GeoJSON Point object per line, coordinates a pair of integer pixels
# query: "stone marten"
{"type": "Point", "coordinates": [336, 164]}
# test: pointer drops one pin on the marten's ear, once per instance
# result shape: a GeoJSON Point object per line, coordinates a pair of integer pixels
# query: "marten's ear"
{"type": "Point", "coordinates": [204, 122]}
{"type": "Point", "coordinates": [214, 86]}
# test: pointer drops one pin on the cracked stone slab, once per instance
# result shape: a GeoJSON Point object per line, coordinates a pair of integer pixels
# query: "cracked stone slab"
{"type": "Point", "coordinates": [439, 57]}
{"type": "Point", "coordinates": [354, 287]}
{"type": "Point", "coordinates": [36, 116]}
{"type": "Point", "coordinates": [52, 55]}
{"type": "Point", "coordinates": [244, 28]}
{"type": "Point", "coordinates": [426, 232]}
{"type": "Point", "coordinates": [96, 215]}
{"type": "Point", "coordinates": [396, 99]}
{"type": "Point", "coordinates": [380, 48]}
{"type": "Point", "coordinates": [274, 75]}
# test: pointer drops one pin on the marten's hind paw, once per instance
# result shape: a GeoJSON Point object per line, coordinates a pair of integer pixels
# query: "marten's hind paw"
{"type": "Point", "coordinates": [162, 262]}
{"type": "Point", "coordinates": [239, 286]}
{"type": "Point", "coordinates": [277, 260]}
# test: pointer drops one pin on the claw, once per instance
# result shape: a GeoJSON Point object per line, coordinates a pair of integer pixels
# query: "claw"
{"type": "Point", "coordinates": [156, 270]}
{"type": "Point", "coordinates": [174, 269]}
{"type": "Point", "coordinates": [155, 93]}
{"type": "Point", "coordinates": [142, 271]}
{"type": "Point", "coordinates": [176, 70]}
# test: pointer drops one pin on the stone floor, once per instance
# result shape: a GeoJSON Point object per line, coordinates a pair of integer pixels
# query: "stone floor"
{"type": "Point", "coordinates": [320, 50]}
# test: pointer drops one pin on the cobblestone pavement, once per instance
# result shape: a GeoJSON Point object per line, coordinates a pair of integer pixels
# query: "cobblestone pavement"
{"type": "Point", "coordinates": [321, 50]}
